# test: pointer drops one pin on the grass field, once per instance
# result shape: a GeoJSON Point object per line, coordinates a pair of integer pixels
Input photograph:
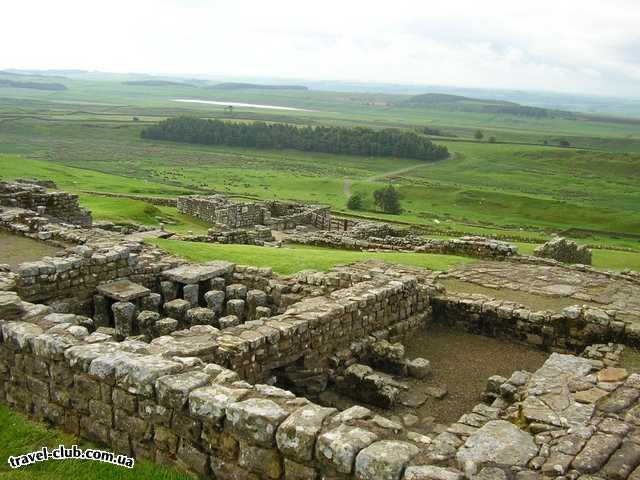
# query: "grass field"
{"type": "Point", "coordinates": [86, 139]}
{"type": "Point", "coordinates": [293, 259]}
{"type": "Point", "coordinates": [19, 436]}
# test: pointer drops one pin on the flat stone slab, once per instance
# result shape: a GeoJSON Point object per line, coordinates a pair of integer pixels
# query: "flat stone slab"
{"type": "Point", "coordinates": [497, 442]}
{"type": "Point", "coordinates": [140, 236]}
{"type": "Point", "coordinates": [123, 290]}
{"type": "Point", "coordinates": [192, 274]}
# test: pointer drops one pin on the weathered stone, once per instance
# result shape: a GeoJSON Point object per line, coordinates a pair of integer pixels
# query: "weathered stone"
{"type": "Point", "coordinates": [339, 447]}
{"type": "Point", "coordinates": [215, 300]}
{"type": "Point", "coordinates": [622, 462]}
{"type": "Point", "coordinates": [596, 452]}
{"type": "Point", "coordinates": [498, 442]}
{"type": "Point", "coordinates": [165, 326]}
{"type": "Point", "coordinates": [618, 400]}
{"type": "Point", "coordinates": [210, 403]}
{"type": "Point", "coordinates": [612, 374]}
{"type": "Point", "coordinates": [173, 390]}
{"type": "Point", "coordinates": [296, 436]}
{"type": "Point", "coordinates": [169, 291]}
{"type": "Point", "coordinates": [194, 274]}
{"type": "Point", "coordinates": [124, 314]}
{"type": "Point", "coordinates": [177, 309]}
{"type": "Point", "coordinates": [229, 321]}
{"type": "Point", "coordinates": [123, 290]}
{"type": "Point", "coordinates": [265, 461]}
{"type": "Point", "coordinates": [191, 294]}
{"type": "Point", "coordinates": [298, 471]}
{"type": "Point", "coordinates": [236, 307]}
{"type": "Point", "coordinates": [419, 368]}
{"type": "Point", "coordinates": [431, 472]}
{"type": "Point", "coordinates": [384, 460]}
{"type": "Point", "coordinates": [589, 396]}
{"type": "Point", "coordinates": [200, 316]}
{"type": "Point", "coordinates": [256, 420]}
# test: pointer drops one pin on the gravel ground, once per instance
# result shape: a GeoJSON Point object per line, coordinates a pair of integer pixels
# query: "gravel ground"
{"type": "Point", "coordinates": [15, 249]}
{"type": "Point", "coordinates": [462, 362]}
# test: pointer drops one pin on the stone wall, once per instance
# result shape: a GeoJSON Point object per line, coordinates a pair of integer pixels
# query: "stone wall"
{"type": "Point", "coordinates": [218, 210]}
{"type": "Point", "coordinates": [479, 247]}
{"type": "Point", "coordinates": [189, 414]}
{"type": "Point", "coordinates": [573, 328]}
{"type": "Point", "coordinates": [75, 275]}
{"type": "Point", "coordinates": [61, 205]}
{"type": "Point", "coordinates": [259, 235]}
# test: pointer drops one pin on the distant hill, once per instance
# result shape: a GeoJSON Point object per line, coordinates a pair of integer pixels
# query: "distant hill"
{"type": "Point", "coordinates": [32, 85]}
{"type": "Point", "coordinates": [157, 83]}
{"type": "Point", "coordinates": [441, 101]}
{"type": "Point", "coordinates": [255, 86]}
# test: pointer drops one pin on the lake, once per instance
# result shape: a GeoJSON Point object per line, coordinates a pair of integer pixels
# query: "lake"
{"type": "Point", "coordinates": [239, 104]}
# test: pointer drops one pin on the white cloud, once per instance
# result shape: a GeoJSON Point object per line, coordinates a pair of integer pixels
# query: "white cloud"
{"type": "Point", "coordinates": [570, 45]}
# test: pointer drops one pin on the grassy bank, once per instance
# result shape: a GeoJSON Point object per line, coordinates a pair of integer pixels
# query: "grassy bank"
{"type": "Point", "coordinates": [19, 436]}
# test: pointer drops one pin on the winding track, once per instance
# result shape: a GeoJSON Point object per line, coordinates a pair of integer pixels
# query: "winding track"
{"type": "Point", "coordinates": [346, 188]}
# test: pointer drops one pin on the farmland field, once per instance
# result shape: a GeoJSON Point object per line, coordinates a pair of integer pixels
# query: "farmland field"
{"type": "Point", "coordinates": [87, 139]}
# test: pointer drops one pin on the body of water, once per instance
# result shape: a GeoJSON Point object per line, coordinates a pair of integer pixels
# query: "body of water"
{"type": "Point", "coordinates": [239, 104]}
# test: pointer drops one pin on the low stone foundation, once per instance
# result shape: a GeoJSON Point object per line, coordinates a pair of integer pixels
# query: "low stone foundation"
{"type": "Point", "coordinates": [479, 247]}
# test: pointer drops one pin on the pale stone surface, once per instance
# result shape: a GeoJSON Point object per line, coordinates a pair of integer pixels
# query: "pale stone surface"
{"type": "Point", "coordinates": [296, 436]}
{"type": "Point", "coordinates": [123, 290]}
{"type": "Point", "coordinates": [498, 442]}
{"type": "Point", "coordinates": [431, 472]}
{"type": "Point", "coordinates": [339, 447]}
{"type": "Point", "coordinates": [193, 274]}
{"type": "Point", "coordinates": [256, 420]}
{"type": "Point", "coordinates": [384, 460]}
{"type": "Point", "coordinates": [211, 402]}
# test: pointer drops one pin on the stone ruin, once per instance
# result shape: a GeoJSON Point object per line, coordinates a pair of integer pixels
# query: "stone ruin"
{"type": "Point", "coordinates": [565, 251]}
{"type": "Point", "coordinates": [226, 214]}
{"type": "Point", "coordinates": [35, 197]}
{"type": "Point", "coordinates": [218, 369]}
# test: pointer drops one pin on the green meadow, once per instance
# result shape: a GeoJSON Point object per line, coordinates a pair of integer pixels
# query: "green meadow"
{"type": "Point", "coordinates": [87, 139]}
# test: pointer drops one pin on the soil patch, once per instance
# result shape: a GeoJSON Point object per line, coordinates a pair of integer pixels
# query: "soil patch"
{"type": "Point", "coordinates": [15, 249]}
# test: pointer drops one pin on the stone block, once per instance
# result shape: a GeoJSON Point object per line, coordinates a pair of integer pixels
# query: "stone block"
{"type": "Point", "coordinates": [339, 447]}
{"type": "Point", "coordinates": [266, 462]}
{"type": "Point", "coordinates": [296, 436]}
{"type": "Point", "coordinates": [256, 420]}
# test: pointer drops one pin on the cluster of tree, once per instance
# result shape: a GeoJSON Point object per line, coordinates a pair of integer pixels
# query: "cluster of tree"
{"type": "Point", "coordinates": [32, 85]}
{"type": "Point", "coordinates": [352, 141]}
{"type": "Point", "coordinates": [478, 135]}
{"type": "Point", "coordinates": [386, 199]}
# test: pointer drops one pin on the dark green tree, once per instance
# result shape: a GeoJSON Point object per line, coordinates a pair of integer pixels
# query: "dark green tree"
{"type": "Point", "coordinates": [388, 142]}
{"type": "Point", "coordinates": [355, 201]}
{"type": "Point", "coordinates": [478, 135]}
{"type": "Point", "coordinates": [388, 199]}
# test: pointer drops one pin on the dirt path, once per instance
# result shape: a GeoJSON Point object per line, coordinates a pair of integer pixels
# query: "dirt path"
{"type": "Point", "coordinates": [346, 187]}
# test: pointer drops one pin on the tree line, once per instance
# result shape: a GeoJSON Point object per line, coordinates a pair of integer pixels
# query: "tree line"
{"type": "Point", "coordinates": [388, 142]}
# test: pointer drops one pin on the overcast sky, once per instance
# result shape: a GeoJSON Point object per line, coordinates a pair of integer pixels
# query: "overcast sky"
{"type": "Point", "coordinates": [584, 46]}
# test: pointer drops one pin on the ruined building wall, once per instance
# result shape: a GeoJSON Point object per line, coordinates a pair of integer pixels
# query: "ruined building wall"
{"type": "Point", "coordinates": [61, 205]}
{"type": "Point", "coordinates": [573, 328]}
{"type": "Point", "coordinates": [218, 210]}
{"type": "Point", "coordinates": [194, 416]}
